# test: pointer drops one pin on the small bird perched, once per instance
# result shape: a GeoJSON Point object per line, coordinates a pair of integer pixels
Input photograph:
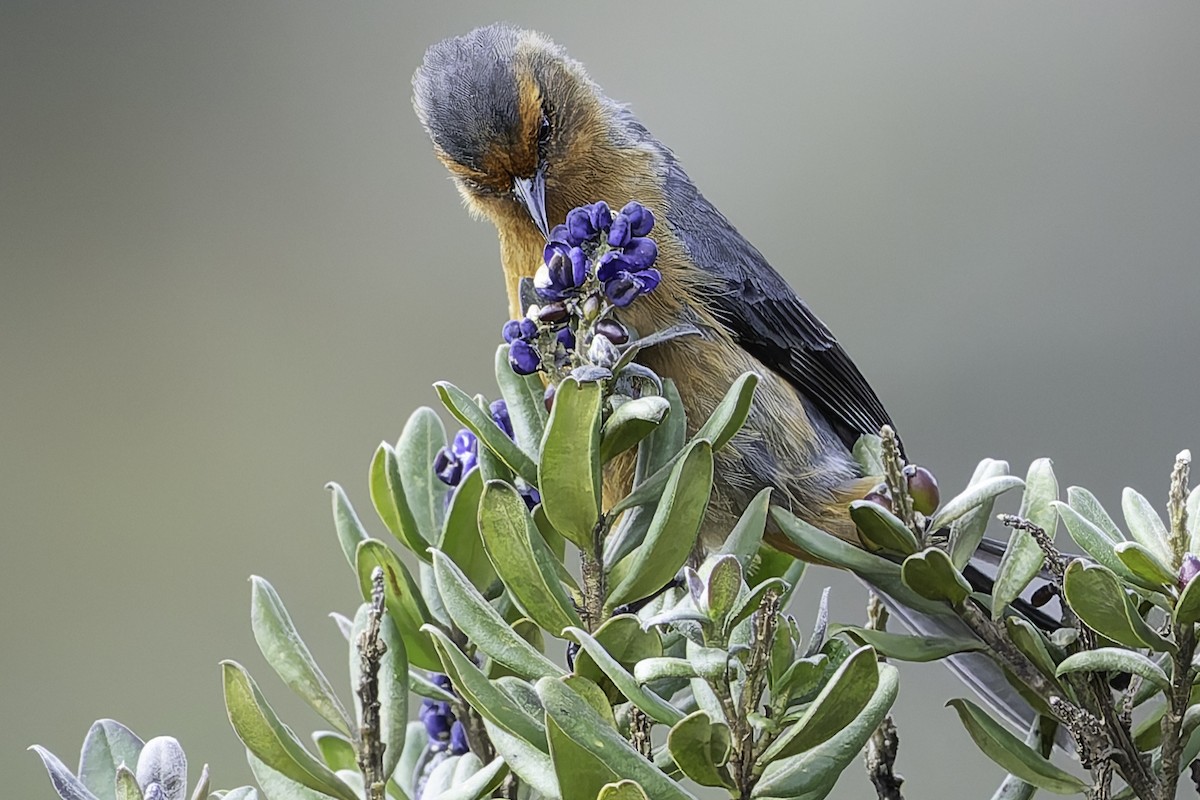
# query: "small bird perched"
{"type": "Point", "coordinates": [527, 136]}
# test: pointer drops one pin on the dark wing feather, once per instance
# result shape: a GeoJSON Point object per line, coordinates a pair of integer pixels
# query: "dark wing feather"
{"type": "Point", "coordinates": [766, 317]}
{"type": "Point", "coordinates": [775, 326]}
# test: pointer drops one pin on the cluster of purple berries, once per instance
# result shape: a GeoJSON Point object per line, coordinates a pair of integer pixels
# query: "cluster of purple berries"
{"type": "Point", "coordinates": [452, 463]}
{"type": "Point", "coordinates": [444, 731]}
{"type": "Point", "coordinates": [594, 254]}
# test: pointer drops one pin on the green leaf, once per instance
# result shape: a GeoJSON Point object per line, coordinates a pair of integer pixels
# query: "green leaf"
{"type": "Point", "coordinates": [632, 422]}
{"type": "Point", "coordinates": [1041, 491]}
{"type": "Point", "coordinates": [903, 647]}
{"type": "Point", "coordinates": [1041, 739]}
{"type": "Point", "coordinates": [841, 700]}
{"type": "Point", "coordinates": [391, 503]}
{"type": "Point", "coordinates": [746, 537]}
{"type": "Point", "coordinates": [569, 475]}
{"type": "Point", "coordinates": [581, 774]}
{"type": "Point", "coordinates": [525, 397]}
{"type": "Point", "coordinates": [699, 746]}
{"type": "Point", "coordinates": [65, 784]}
{"type": "Point", "coordinates": [1086, 504]}
{"type": "Point", "coordinates": [163, 761]}
{"type": "Point", "coordinates": [672, 531]}
{"type": "Point", "coordinates": [415, 739]}
{"type": "Point", "coordinates": [1145, 525]}
{"type": "Point", "coordinates": [125, 785]}
{"type": "Point", "coordinates": [654, 706]}
{"type": "Point", "coordinates": [812, 774]}
{"type": "Point", "coordinates": [973, 497]}
{"type": "Point", "coordinates": [336, 750]}
{"type": "Point", "coordinates": [580, 723]}
{"type": "Point", "coordinates": [1144, 563]}
{"type": "Point", "coordinates": [826, 548]}
{"type": "Point", "coordinates": [749, 602]}
{"type": "Point", "coordinates": [108, 744]}
{"type": "Point", "coordinates": [287, 654]}
{"type": "Point", "coordinates": [461, 539]}
{"type": "Point", "coordinates": [723, 584]}
{"type": "Point", "coordinates": [622, 790]}
{"type": "Point", "coordinates": [1022, 561]}
{"type": "Point", "coordinates": [649, 670]}
{"type": "Point", "coordinates": [1115, 659]}
{"type": "Point", "coordinates": [730, 414]}
{"type": "Point", "coordinates": [931, 575]}
{"type": "Point", "coordinates": [485, 696]}
{"type": "Point", "coordinates": [393, 685]}
{"type": "Point", "coordinates": [1023, 557]}
{"type": "Point", "coordinates": [1193, 520]}
{"type": "Point", "coordinates": [1187, 608]}
{"type": "Point", "coordinates": [1093, 539]}
{"type": "Point", "coordinates": [403, 598]}
{"type": "Point", "coordinates": [967, 531]}
{"type": "Point", "coordinates": [1012, 754]}
{"type": "Point", "coordinates": [1031, 642]}
{"type": "Point", "coordinates": [883, 528]}
{"type": "Point", "coordinates": [420, 440]}
{"type": "Point", "coordinates": [868, 452]}
{"type": "Point", "coordinates": [524, 561]}
{"type": "Point", "coordinates": [276, 785]}
{"type": "Point", "coordinates": [1097, 596]}
{"type": "Point", "coordinates": [350, 530]}
{"type": "Point", "coordinates": [728, 417]}
{"type": "Point", "coordinates": [479, 422]}
{"type": "Point", "coordinates": [665, 443]}
{"type": "Point", "coordinates": [474, 782]}
{"type": "Point", "coordinates": [264, 735]}
{"type": "Point", "coordinates": [483, 626]}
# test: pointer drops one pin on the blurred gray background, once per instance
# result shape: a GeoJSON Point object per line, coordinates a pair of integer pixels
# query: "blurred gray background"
{"type": "Point", "coordinates": [231, 265]}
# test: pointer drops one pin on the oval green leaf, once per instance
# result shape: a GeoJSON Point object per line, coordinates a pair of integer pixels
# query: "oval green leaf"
{"type": "Point", "coordinates": [931, 575]}
{"type": "Point", "coordinates": [420, 440]}
{"type": "Point", "coordinates": [1116, 659]}
{"type": "Point", "coordinates": [973, 497]}
{"type": "Point", "coordinates": [672, 532]}
{"type": "Point", "coordinates": [882, 528]}
{"type": "Point", "coordinates": [391, 503]}
{"type": "Point", "coordinates": [403, 598]}
{"type": "Point", "coordinates": [569, 475]}
{"type": "Point", "coordinates": [903, 647]}
{"type": "Point", "coordinates": [842, 699]}
{"type": "Point", "coordinates": [461, 539]}
{"type": "Point", "coordinates": [264, 735]}
{"type": "Point", "coordinates": [1013, 754]}
{"type": "Point", "coordinates": [484, 626]}
{"type": "Point", "coordinates": [291, 659]}
{"type": "Point", "coordinates": [1097, 596]}
{"type": "Point", "coordinates": [524, 396]}
{"type": "Point", "coordinates": [523, 560]}
{"type": "Point", "coordinates": [632, 422]}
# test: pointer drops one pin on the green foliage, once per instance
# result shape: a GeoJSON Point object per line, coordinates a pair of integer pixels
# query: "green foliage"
{"type": "Point", "coordinates": [115, 764]}
{"type": "Point", "coordinates": [691, 639]}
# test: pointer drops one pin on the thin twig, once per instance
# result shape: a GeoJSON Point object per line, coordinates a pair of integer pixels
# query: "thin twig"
{"type": "Point", "coordinates": [884, 743]}
{"type": "Point", "coordinates": [371, 650]}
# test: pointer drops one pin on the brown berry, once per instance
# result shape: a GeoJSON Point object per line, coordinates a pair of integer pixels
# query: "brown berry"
{"type": "Point", "coordinates": [923, 489]}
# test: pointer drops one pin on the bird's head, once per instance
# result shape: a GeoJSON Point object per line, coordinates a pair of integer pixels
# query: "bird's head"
{"type": "Point", "coordinates": [523, 130]}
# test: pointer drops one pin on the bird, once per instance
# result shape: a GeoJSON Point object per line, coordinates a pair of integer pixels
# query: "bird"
{"type": "Point", "coordinates": [527, 136]}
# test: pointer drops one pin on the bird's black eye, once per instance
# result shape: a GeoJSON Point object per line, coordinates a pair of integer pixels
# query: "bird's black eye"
{"type": "Point", "coordinates": [544, 131]}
